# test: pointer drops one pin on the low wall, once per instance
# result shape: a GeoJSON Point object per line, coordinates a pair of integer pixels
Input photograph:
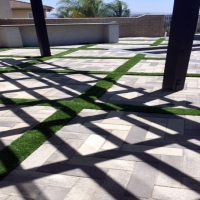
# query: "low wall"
{"type": "Point", "coordinates": [142, 26]}
{"type": "Point", "coordinates": [59, 34]}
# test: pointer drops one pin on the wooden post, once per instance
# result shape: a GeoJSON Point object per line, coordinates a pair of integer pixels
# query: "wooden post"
{"type": "Point", "coordinates": [183, 26]}
{"type": "Point", "coordinates": [40, 26]}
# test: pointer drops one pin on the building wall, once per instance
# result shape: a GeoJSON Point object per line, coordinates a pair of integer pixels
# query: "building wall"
{"type": "Point", "coordinates": [143, 26]}
{"type": "Point", "coordinates": [5, 11]}
{"type": "Point", "coordinates": [22, 13]}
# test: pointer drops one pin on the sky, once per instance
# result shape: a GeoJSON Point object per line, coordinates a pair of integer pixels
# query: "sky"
{"type": "Point", "coordinates": [136, 6]}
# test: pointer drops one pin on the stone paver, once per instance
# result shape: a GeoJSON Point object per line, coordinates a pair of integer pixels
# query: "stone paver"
{"type": "Point", "coordinates": [79, 64]}
{"type": "Point", "coordinates": [103, 53]}
{"type": "Point", "coordinates": [147, 90]}
{"type": "Point", "coordinates": [15, 120]}
{"type": "Point", "coordinates": [153, 66]}
{"type": "Point", "coordinates": [135, 42]}
{"type": "Point", "coordinates": [6, 61]}
{"type": "Point", "coordinates": [66, 46]}
{"type": "Point", "coordinates": [104, 162]}
{"type": "Point", "coordinates": [138, 38]}
{"type": "Point", "coordinates": [27, 52]}
{"type": "Point", "coordinates": [118, 46]}
{"type": "Point", "coordinates": [45, 85]}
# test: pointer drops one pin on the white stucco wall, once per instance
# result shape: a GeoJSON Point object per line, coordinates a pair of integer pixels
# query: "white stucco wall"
{"type": "Point", "coordinates": [62, 34]}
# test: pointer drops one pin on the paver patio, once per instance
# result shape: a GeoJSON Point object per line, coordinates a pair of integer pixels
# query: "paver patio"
{"type": "Point", "coordinates": [103, 53]}
{"type": "Point", "coordinates": [113, 155]}
{"type": "Point", "coordinates": [45, 85]}
{"type": "Point", "coordinates": [118, 46]}
{"type": "Point", "coordinates": [79, 64]}
{"type": "Point", "coordinates": [6, 61]}
{"type": "Point", "coordinates": [27, 52]}
{"type": "Point", "coordinates": [152, 66]}
{"type": "Point", "coordinates": [147, 90]}
{"type": "Point", "coordinates": [101, 153]}
{"type": "Point", "coordinates": [14, 120]}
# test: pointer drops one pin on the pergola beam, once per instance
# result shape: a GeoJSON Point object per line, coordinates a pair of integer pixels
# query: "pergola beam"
{"type": "Point", "coordinates": [183, 26]}
{"type": "Point", "coordinates": [40, 26]}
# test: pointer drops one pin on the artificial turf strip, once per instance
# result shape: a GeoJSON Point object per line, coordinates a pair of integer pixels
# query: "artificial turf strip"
{"type": "Point", "coordinates": [158, 42]}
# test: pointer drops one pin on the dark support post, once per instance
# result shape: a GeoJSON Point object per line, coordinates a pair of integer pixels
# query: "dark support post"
{"type": "Point", "coordinates": [40, 26]}
{"type": "Point", "coordinates": [183, 26]}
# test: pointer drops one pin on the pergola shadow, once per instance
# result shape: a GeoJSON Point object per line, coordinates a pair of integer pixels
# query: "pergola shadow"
{"type": "Point", "coordinates": [93, 171]}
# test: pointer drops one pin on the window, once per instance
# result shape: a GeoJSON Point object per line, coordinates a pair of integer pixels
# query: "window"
{"type": "Point", "coordinates": [30, 15]}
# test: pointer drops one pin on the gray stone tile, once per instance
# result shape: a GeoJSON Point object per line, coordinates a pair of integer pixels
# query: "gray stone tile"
{"type": "Point", "coordinates": [136, 134]}
{"type": "Point", "coordinates": [20, 189]}
{"type": "Point", "coordinates": [65, 151]}
{"type": "Point", "coordinates": [167, 193]}
{"type": "Point", "coordinates": [142, 180]}
{"type": "Point", "coordinates": [133, 156]}
{"type": "Point", "coordinates": [117, 179]}
{"type": "Point", "coordinates": [38, 157]}
{"type": "Point", "coordinates": [85, 188]}
{"type": "Point", "coordinates": [193, 157]}
{"type": "Point", "coordinates": [170, 171]}
{"type": "Point", "coordinates": [73, 170]}
{"type": "Point", "coordinates": [71, 135]}
{"type": "Point", "coordinates": [40, 178]}
{"type": "Point", "coordinates": [14, 197]}
{"type": "Point", "coordinates": [52, 193]}
{"type": "Point", "coordinates": [85, 130]}
{"type": "Point", "coordinates": [152, 150]}
{"type": "Point", "coordinates": [103, 163]}
{"type": "Point", "coordinates": [190, 183]}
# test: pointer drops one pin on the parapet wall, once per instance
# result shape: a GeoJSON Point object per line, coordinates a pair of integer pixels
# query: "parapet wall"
{"type": "Point", "coordinates": [142, 26]}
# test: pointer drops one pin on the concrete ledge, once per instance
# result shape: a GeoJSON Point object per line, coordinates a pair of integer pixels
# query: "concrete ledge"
{"type": "Point", "coordinates": [62, 34]}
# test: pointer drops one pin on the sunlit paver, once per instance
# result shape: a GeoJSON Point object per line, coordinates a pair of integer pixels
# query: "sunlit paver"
{"type": "Point", "coordinates": [153, 66]}
{"type": "Point", "coordinates": [45, 85]}
{"type": "Point", "coordinates": [15, 120]}
{"type": "Point", "coordinates": [103, 53]}
{"type": "Point", "coordinates": [74, 163]}
{"type": "Point", "coordinates": [135, 42]}
{"type": "Point", "coordinates": [67, 46]}
{"type": "Point", "coordinates": [118, 46]}
{"type": "Point", "coordinates": [80, 64]}
{"type": "Point", "coordinates": [147, 90]}
{"type": "Point", "coordinates": [28, 52]}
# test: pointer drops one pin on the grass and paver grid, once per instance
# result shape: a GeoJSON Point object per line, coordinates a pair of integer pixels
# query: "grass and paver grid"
{"type": "Point", "coordinates": [81, 128]}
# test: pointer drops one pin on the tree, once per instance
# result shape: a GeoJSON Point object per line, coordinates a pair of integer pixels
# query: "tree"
{"type": "Point", "coordinates": [118, 8]}
{"type": "Point", "coordinates": [80, 8]}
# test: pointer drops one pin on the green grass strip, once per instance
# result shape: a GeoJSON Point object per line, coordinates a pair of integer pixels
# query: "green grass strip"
{"type": "Point", "coordinates": [158, 42]}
